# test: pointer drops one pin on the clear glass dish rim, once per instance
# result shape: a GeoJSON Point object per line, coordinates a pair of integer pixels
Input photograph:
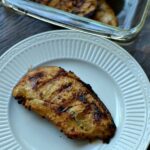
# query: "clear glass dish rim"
{"type": "Point", "coordinates": [82, 24]}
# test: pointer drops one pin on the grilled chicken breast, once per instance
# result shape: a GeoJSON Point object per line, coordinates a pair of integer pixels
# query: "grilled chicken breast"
{"type": "Point", "coordinates": [105, 14]}
{"type": "Point", "coordinates": [98, 10]}
{"type": "Point", "coordinates": [65, 100]}
{"type": "Point", "coordinates": [79, 7]}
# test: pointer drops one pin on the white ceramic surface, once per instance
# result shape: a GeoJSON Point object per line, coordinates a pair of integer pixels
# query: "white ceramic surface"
{"type": "Point", "coordinates": [114, 75]}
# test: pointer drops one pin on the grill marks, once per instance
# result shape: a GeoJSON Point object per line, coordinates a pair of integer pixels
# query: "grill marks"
{"type": "Point", "coordinates": [37, 82]}
{"type": "Point", "coordinates": [62, 109]}
{"type": "Point", "coordinates": [98, 102]}
{"type": "Point", "coordinates": [81, 96]}
{"type": "Point", "coordinates": [60, 73]}
{"type": "Point", "coordinates": [60, 90]}
{"type": "Point", "coordinates": [97, 114]}
{"type": "Point", "coordinates": [65, 100]}
{"type": "Point", "coordinates": [57, 96]}
{"type": "Point", "coordinates": [65, 87]}
{"type": "Point", "coordinates": [34, 79]}
{"type": "Point", "coordinates": [78, 95]}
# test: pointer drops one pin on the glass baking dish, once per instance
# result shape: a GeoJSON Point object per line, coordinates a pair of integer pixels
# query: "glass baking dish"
{"type": "Point", "coordinates": [131, 15]}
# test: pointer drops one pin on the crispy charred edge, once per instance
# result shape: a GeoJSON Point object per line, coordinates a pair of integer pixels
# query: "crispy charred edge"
{"type": "Point", "coordinates": [91, 91]}
{"type": "Point", "coordinates": [76, 136]}
{"type": "Point", "coordinates": [97, 113]}
{"type": "Point", "coordinates": [20, 99]}
{"type": "Point", "coordinates": [112, 129]}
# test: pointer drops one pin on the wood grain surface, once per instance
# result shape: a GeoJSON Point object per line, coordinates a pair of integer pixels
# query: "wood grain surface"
{"type": "Point", "coordinates": [16, 27]}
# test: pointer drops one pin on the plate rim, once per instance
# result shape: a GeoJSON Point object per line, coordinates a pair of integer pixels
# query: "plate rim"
{"type": "Point", "coordinates": [123, 51]}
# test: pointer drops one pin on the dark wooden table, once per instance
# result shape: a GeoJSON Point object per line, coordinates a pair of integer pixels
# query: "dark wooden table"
{"type": "Point", "coordinates": [15, 27]}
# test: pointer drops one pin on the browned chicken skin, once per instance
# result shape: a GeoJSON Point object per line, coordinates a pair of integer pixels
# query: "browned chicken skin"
{"type": "Point", "coordinates": [79, 7]}
{"type": "Point", "coordinates": [62, 98]}
{"type": "Point", "coordinates": [105, 13]}
{"type": "Point", "coordinates": [98, 10]}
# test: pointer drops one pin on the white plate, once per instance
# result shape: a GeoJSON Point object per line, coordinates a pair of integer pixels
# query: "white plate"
{"type": "Point", "coordinates": [114, 75]}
